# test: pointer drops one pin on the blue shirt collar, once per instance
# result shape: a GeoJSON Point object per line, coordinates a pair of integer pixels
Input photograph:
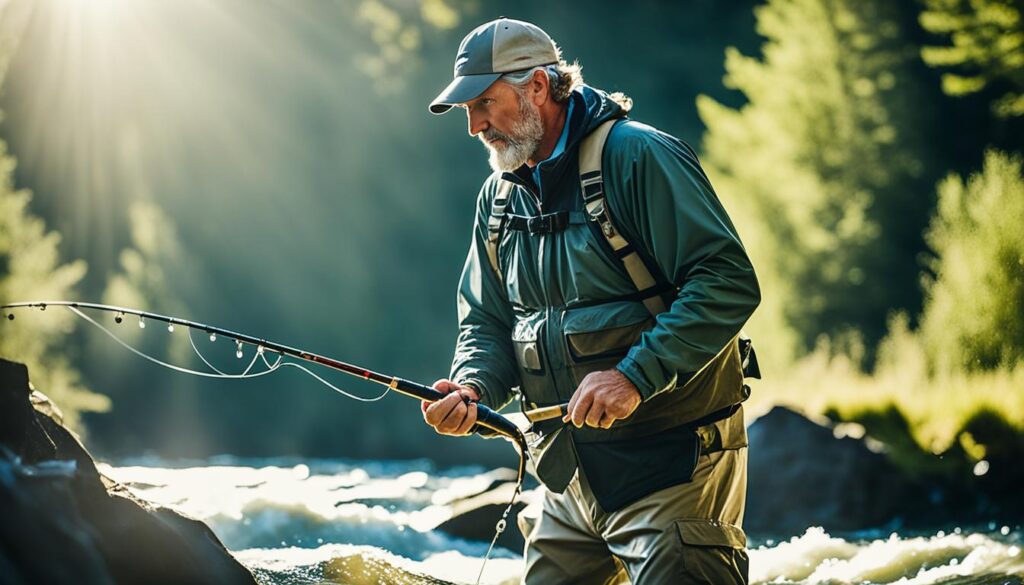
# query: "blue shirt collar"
{"type": "Point", "coordinates": [559, 146]}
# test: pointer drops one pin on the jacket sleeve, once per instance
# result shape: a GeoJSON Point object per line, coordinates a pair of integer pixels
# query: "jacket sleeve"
{"type": "Point", "coordinates": [664, 204]}
{"type": "Point", "coordinates": [484, 357]}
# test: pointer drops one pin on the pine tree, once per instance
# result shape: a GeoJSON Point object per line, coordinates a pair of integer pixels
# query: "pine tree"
{"type": "Point", "coordinates": [987, 47]}
{"type": "Point", "coordinates": [822, 164]}
{"type": "Point", "coordinates": [30, 269]}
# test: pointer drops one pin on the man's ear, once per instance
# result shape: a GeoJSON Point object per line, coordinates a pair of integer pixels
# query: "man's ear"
{"type": "Point", "coordinates": [539, 88]}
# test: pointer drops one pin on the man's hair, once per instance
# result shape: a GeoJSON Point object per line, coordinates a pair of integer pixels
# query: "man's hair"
{"type": "Point", "coordinates": [563, 78]}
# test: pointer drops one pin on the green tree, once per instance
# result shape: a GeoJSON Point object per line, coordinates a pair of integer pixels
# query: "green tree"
{"type": "Point", "coordinates": [987, 46]}
{"type": "Point", "coordinates": [823, 160]}
{"type": "Point", "coordinates": [975, 295]}
{"type": "Point", "coordinates": [30, 268]}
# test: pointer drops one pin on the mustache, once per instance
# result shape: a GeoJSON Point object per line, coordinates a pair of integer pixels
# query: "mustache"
{"type": "Point", "coordinates": [491, 134]}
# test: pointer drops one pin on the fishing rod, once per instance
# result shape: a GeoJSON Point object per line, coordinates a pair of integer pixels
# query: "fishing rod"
{"type": "Point", "coordinates": [486, 417]}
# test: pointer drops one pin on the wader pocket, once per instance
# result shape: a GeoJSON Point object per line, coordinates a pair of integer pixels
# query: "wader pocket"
{"type": "Point", "coordinates": [525, 337]}
{"type": "Point", "coordinates": [713, 552]}
{"type": "Point", "coordinates": [621, 472]}
{"type": "Point", "coordinates": [598, 337]}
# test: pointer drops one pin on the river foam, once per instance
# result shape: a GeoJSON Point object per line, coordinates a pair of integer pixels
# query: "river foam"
{"type": "Point", "coordinates": [313, 521]}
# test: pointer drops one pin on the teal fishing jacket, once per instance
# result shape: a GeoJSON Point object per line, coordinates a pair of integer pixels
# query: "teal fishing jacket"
{"type": "Point", "coordinates": [565, 306]}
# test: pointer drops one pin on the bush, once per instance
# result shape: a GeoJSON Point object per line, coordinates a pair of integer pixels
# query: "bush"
{"type": "Point", "coordinates": [975, 294]}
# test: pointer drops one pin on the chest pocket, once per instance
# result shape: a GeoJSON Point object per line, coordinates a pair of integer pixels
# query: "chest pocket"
{"type": "Point", "coordinates": [598, 337]}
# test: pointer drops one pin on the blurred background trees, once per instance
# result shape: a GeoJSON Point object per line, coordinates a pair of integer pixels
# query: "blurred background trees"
{"type": "Point", "coordinates": [31, 267]}
{"type": "Point", "coordinates": [986, 48]}
{"type": "Point", "coordinates": [974, 317]}
{"type": "Point", "coordinates": [272, 168]}
{"type": "Point", "coordinates": [831, 154]}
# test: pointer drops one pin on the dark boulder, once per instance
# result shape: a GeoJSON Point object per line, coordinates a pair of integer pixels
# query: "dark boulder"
{"type": "Point", "coordinates": [63, 522]}
{"type": "Point", "coordinates": [803, 473]}
{"type": "Point", "coordinates": [475, 517]}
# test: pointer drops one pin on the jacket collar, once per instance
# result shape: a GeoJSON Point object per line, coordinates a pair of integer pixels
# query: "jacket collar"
{"type": "Point", "coordinates": [591, 107]}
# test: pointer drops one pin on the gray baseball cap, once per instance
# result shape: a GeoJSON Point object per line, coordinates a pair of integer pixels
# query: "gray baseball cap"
{"type": "Point", "coordinates": [488, 52]}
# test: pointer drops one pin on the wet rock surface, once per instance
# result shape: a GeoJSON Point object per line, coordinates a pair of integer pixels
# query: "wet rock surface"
{"type": "Point", "coordinates": [872, 475]}
{"type": "Point", "coordinates": [63, 522]}
{"type": "Point", "coordinates": [804, 473]}
{"type": "Point", "coordinates": [475, 517]}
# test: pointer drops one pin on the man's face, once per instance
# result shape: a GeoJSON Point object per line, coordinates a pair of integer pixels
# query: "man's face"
{"type": "Point", "coordinates": [508, 124]}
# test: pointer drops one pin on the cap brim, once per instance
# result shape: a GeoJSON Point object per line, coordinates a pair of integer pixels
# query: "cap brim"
{"type": "Point", "coordinates": [461, 90]}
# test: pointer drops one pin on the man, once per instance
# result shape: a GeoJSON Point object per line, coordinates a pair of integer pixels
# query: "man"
{"type": "Point", "coordinates": [645, 474]}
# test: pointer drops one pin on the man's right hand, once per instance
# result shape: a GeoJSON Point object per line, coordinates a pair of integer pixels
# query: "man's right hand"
{"type": "Point", "coordinates": [451, 415]}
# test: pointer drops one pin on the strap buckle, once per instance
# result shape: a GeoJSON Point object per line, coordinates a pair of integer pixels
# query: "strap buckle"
{"type": "Point", "coordinates": [548, 223]}
{"type": "Point", "coordinates": [539, 224]}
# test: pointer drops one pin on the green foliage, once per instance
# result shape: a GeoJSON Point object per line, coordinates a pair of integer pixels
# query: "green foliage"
{"type": "Point", "coordinates": [967, 357]}
{"type": "Point", "coordinates": [31, 270]}
{"type": "Point", "coordinates": [146, 270]}
{"type": "Point", "coordinates": [397, 30]}
{"type": "Point", "coordinates": [975, 300]}
{"type": "Point", "coordinates": [824, 155]}
{"type": "Point", "coordinates": [936, 405]}
{"type": "Point", "coordinates": [987, 46]}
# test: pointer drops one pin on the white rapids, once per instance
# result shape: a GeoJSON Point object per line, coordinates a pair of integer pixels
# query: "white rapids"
{"type": "Point", "coordinates": [328, 521]}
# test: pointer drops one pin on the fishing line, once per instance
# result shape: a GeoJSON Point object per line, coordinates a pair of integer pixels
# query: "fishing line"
{"type": "Point", "coordinates": [198, 353]}
{"type": "Point", "coordinates": [502, 524]}
{"type": "Point", "coordinates": [245, 375]}
{"type": "Point", "coordinates": [332, 386]}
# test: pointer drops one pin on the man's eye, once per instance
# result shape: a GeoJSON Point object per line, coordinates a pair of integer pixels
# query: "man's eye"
{"type": "Point", "coordinates": [486, 101]}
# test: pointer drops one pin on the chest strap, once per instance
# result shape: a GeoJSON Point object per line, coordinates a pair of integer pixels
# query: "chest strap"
{"type": "Point", "coordinates": [548, 223]}
{"type": "Point", "coordinates": [592, 187]}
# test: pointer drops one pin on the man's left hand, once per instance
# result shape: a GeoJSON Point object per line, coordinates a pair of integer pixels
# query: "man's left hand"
{"type": "Point", "coordinates": [602, 398]}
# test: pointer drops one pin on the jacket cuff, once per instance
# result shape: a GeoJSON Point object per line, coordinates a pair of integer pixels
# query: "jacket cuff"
{"type": "Point", "coordinates": [638, 375]}
{"type": "Point", "coordinates": [478, 384]}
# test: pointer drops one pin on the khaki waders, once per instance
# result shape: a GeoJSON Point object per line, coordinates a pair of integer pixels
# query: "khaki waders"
{"type": "Point", "coordinates": [685, 534]}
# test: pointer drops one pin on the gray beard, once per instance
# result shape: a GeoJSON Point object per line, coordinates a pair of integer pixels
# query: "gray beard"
{"type": "Point", "coordinates": [520, 143]}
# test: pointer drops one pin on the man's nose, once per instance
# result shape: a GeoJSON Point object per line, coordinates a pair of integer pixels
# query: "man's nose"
{"type": "Point", "coordinates": [477, 123]}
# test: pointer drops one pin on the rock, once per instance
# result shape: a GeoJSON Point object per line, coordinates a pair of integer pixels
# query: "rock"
{"type": "Point", "coordinates": [475, 517]}
{"type": "Point", "coordinates": [800, 475]}
{"type": "Point", "coordinates": [66, 523]}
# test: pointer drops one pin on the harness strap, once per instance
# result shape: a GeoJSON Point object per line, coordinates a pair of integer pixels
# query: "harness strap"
{"type": "Point", "coordinates": [592, 187]}
{"type": "Point", "coordinates": [495, 223]}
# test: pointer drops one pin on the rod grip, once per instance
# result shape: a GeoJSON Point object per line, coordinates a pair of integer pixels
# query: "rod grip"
{"type": "Point", "coordinates": [416, 390]}
{"type": "Point", "coordinates": [485, 417]}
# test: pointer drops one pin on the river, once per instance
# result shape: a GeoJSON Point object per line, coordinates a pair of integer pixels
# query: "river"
{"type": "Point", "coordinates": [356, 522]}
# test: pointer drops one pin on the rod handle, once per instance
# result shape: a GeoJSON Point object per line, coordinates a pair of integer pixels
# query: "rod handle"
{"type": "Point", "coordinates": [485, 416]}
{"type": "Point", "coordinates": [547, 412]}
